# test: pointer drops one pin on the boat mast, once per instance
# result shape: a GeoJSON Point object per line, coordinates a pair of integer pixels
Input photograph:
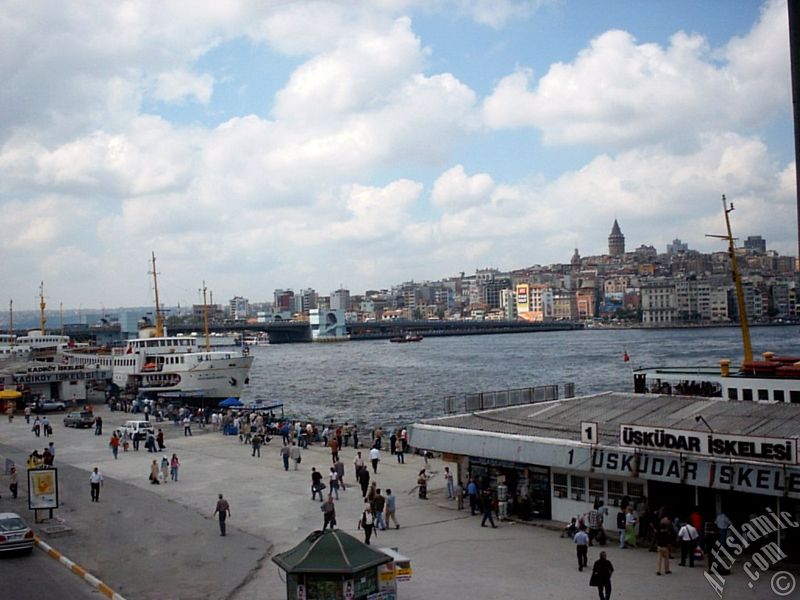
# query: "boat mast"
{"type": "Point", "coordinates": [159, 317]}
{"type": "Point", "coordinates": [61, 312]}
{"type": "Point", "coordinates": [205, 319]}
{"type": "Point", "coordinates": [737, 280]}
{"type": "Point", "coordinates": [11, 320]}
{"type": "Point", "coordinates": [42, 305]}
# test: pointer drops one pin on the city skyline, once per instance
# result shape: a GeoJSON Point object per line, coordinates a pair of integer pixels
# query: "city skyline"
{"type": "Point", "coordinates": [274, 145]}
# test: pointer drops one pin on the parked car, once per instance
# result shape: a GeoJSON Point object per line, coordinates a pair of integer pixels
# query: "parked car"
{"type": "Point", "coordinates": [138, 429]}
{"type": "Point", "coordinates": [48, 406]}
{"type": "Point", "coordinates": [79, 419]}
{"type": "Point", "coordinates": [15, 533]}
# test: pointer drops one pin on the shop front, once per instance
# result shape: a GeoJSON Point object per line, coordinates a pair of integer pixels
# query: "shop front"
{"type": "Point", "coordinates": [527, 487]}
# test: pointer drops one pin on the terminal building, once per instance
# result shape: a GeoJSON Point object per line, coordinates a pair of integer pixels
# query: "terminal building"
{"type": "Point", "coordinates": [556, 458]}
{"type": "Point", "coordinates": [51, 381]}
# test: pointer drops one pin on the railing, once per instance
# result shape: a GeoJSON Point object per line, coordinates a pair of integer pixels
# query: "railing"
{"type": "Point", "coordinates": [471, 402]}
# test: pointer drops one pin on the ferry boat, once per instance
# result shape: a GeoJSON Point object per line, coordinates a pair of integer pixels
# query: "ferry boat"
{"type": "Point", "coordinates": [156, 363]}
{"type": "Point", "coordinates": [770, 379]}
{"type": "Point", "coordinates": [403, 339]}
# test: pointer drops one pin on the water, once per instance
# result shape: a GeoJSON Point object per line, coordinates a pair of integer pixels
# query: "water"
{"type": "Point", "coordinates": [377, 382]}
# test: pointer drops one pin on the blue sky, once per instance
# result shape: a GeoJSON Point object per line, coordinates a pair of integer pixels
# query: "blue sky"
{"type": "Point", "coordinates": [306, 144]}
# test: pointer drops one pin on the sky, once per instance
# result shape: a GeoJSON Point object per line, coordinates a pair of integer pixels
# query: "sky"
{"type": "Point", "coordinates": [255, 145]}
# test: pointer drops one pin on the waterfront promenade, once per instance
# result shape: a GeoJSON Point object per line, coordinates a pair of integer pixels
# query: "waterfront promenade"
{"type": "Point", "coordinates": [161, 542]}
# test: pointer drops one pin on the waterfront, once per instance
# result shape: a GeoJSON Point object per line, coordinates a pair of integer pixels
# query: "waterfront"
{"type": "Point", "coordinates": [376, 382]}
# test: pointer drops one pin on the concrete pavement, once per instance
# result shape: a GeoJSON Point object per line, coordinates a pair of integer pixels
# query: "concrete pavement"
{"type": "Point", "coordinates": [160, 541]}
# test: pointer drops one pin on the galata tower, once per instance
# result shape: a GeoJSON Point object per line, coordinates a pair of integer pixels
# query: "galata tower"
{"type": "Point", "coordinates": [616, 241]}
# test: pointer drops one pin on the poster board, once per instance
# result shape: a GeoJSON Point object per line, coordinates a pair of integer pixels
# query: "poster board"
{"type": "Point", "coordinates": [42, 489]}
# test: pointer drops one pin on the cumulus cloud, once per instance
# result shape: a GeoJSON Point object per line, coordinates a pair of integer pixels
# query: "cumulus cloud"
{"type": "Point", "coordinates": [455, 188]}
{"type": "Point", "coordinates": [617, 92]}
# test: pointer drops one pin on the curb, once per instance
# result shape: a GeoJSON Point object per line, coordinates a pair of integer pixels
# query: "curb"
{"type": "Point", "coordinates": [80, 571]}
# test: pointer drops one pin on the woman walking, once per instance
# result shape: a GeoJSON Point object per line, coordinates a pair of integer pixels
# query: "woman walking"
{"type": "Point", "coordinates": [154, 472]}
{"type": "Point", "coordinates": [601, 576]}
{"type": "Point", "coordinates": [164, 468]}
{"type": "Point", "coordinates": [173, 467]}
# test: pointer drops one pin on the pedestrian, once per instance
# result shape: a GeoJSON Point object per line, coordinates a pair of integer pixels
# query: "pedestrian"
{"type": "Point", "coordinates": [10, 412]}
{"type": "Point", "coordinates": [366, 523]}
{"type": "Point", "coordinates": [256, 443]}
{"type": "Point", "coordinates": [346, 432]}
{"type": "Point", "coordinates": [375, 457]}
{"type": "Point", "coordinates": [378, 504]}
{"type": "Point", "coordinates": [98, 425]}
{"type": "Point", "coordinates": [47, 458]}
{"type": "Point", "coordinates": [472, 492]}
{"type": "Point", "coordinates": [328, 513]}
{"type": "Point", "coordinates": [486, 507]}
{"type": "Point", "coordinates": [355, 436]}
{"type": "Point", "coordinates": [160, 440]}
{"type": "Point", "coordinates": [391, 509]}
{"type": "Point", "coordinates": [137, 437]}
{"type": "Point", "coordinates": [630, 527]}
{"type": "Point", "coordinates": [37, 427]}
{"type": "Point", "coordinates": [339, 467]}
{"type": "Point", "coordinates": [316, 484]}
{"type": "Point", "coordinates": [400, 453]}
{"type": "Point", "coordinates": [688, 536]}
{"type": "Point", "coordinates": [114, 443]}
{"type": "Point", "coordinates": [154, 472]}
{"type": "Point", "coordinates": [448, 478]}
{"type": "Point", "coordinates": [460, 493]}
{"type": "Point", "coordinates": [48, 430]}
{"type": "Point", "coordinates": [95, 481]}
{"type": "Point", "coordinates": [150, 443]}
{"type": "Point", "coordinates": [422, 484]}
{"type": "Point", "coordinates": [601, 576]}
{"type": "Point", "coordinates": [174, 463]}
{"type": "Point", "coordinates": [663, 542]}
{"type": "Point", "coordinates": [358, 463]}
{"type": "Point", "coordinates": [187, 427]}
{"type": "Point", "coordinates": [294, 454]}
{"type": "Point", "coordinates": [28, 415]}
{"type": "Point", "coordinates": [12, 482]}
{"type": "Point", "coordinates": [581, 540]}
{"type": "Point", "coordinates": [334, 445]}
{"type": "Point", "coordinates": [363, 480]}
{"type": "Point", "coordinates": [164, 468]}
{"type": "Point", "coordinates": [285, 457]}
{"type": "Point", "coordinates": [393, 442]}
{"type": "Point", "coordinates": [334, 483]}
{"type": "Point", "coordinates": [224, 511]}
{"type": "Point", "coordinates": [404, 439]}
{"type": "Point", "coordinates": [723, 523]}
{"type": "Point", "coordinates": [52, 448]}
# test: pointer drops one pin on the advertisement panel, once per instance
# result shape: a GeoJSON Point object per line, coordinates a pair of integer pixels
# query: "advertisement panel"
{"type": "Point", "coordinates": [42, 489]}
{"type": "Point", "coordinates": [523, 298]}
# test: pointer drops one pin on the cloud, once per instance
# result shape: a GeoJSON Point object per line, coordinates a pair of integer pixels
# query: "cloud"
{"type": "Point", "coordinates": [178, 85]}
{"type": "Point", "coordinates": [455, 188]}
{"type": "Point", "coordinates": [618, 93]}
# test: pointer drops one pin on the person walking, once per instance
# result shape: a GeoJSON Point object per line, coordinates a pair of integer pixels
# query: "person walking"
{"type": "Point", "coordinates": [688, 536]}
{"type": "Point", "coordinates": [663, 542]}
{"type": "Point", "coordinates": [316, 484]}
{"type": "Point", "coordinates": [160, 440]}
{"type": "Point", "coordinates": [339, 467]}
{"type": "Point", "coordinates": [334, 483]}
{"type": "Point", "coordinates": [363, 480]}
{"type": "Point", "coordinates": [366, 523]}
{"type": "Point", "coordinates": [187, 428]}
{"type": "Point", "coordinates": [630, 527]}
{"type": "Point", "coordinates": [486, 507]}
{"type": "Point", "coordinates": [95, 481]}
{"type": "Point", "coordinates": [358, 463]}
{"type": "Point", "coordinates": [375, 458]}
{"type": "Point", "coordinates": [391, 509]}
{"type": "Point", "coordinates": [28, 415]}
{"type": "Point", "coordinates": [400, 453]}
{"type": "Point", "coordinates": [601, 576]}
{"type": "Point", "coordinates": [98, 425]}
{"type": "Point", "coordinates": [164, 467]}
{"type": "Point", "coordinates": [448, 478]}
{"type": "Point", "coordinates": [255, 442]}
{"type": "Point", "coordinates": [328, 513]}
{"type": "Point", "coordinates": [285, 457]}
{"type": "Point", "coordinates": [422, 485]}
{"type": "Point", "coordinates": [581, 540]}
{"type": "Point", "coordinates": [334, 446]}
{"type": "Point", "coordinates": [48, 430]}
{"type": "Point", "coordinates": [223, 509]}
{"type": "Point", "coordinates": [37, 427]}
{"type": "Point", "coordinates": [154, 472]}
{"type": "Point", "coordinates": [294, 454]}
{"type": "Point", "coordinates": [13, 486]}
{"type": "Point", "coordinates": [460, 495]}
{"type": "Point", "coordinates": [378, 504]}
{"type": "Point", "coordinates": [114, 443]}
{"type": "Point", "coordinates": [174, 463]}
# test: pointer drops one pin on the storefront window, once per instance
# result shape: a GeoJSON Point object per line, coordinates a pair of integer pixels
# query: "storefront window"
{"type": "Point", "coordinates": [596, 489]}
{"type": "Point", "coordinates": [578, 487]}
{"type": "Point", "coordinates": [560, 485]}
{"type": "Point", "coordinates": [616, 491]}
{"type": "Point", "coordinates": [636, 491]}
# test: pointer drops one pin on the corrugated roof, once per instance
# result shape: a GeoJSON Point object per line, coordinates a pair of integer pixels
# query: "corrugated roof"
{"type": "Point", "coordinates": [334, 552]}
{"type": "Point", "coordinates": [561, 419]}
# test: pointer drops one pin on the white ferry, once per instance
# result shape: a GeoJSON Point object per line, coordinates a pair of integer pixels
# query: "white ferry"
{"type": "Point", "coordinates": [773, 379]}
{"type": "Point", "coordinates": [169, 364]}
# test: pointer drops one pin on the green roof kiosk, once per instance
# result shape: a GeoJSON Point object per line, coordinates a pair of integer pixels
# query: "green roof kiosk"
{"type": "Point", "coordinates": [333, 565]}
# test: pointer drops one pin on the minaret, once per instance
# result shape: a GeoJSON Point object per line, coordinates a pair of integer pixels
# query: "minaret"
{"type": "Point", "coordinates": [576, 259]}
{"type": "Point", "coordinates": [616, 241]}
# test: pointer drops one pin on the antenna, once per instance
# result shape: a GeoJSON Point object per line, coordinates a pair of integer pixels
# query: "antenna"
{"type": "Point", "coordinates": [11, 321]}
{"type": "Point", "coordinates": [205, 318]}
{"type": "Point", "coordinates": [42, 305]}
{"type": "Point", "coordinates": [159, 316]}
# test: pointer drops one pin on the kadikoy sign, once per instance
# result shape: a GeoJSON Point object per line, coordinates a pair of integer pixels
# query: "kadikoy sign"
{"type": "Point", "coordinates": [709, 444]}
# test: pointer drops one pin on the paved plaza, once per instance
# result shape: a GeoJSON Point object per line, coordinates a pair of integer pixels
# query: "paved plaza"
{"type": "Point", "coordinates": [150, 542]}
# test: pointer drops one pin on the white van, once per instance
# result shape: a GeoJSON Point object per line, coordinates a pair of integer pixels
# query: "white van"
{"type": "Point", "coordinates": [139, 429]}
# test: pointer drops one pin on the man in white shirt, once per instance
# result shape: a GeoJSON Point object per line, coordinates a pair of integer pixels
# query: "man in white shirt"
{"type": "Point", "coordinates": [375, 457]}
{"type": "Point", "coordinates": [688, 537]}
{"type": "Point", "coordinates": [581, 540]}
{"type": "Point", "coordinates": [95, 481]}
